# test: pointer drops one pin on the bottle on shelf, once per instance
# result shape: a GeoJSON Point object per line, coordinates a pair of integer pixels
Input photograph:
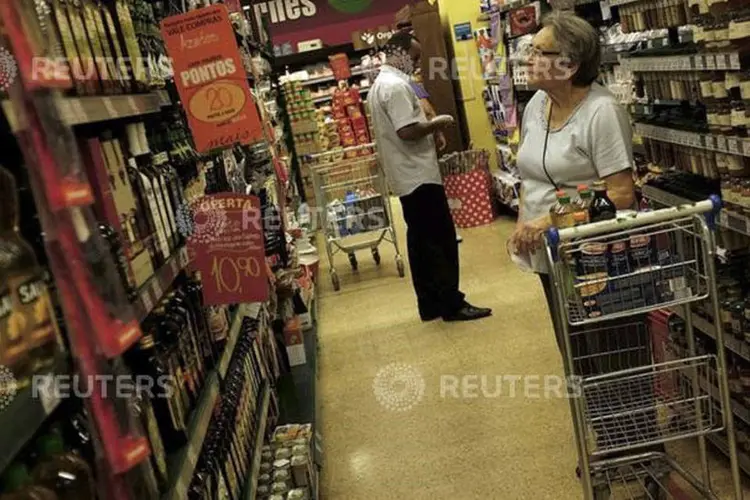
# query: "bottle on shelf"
{"type": "Point", "coordinates": [17, 483]}
{"type": "Point", "coordinates": [118, 254]}
{"type": "Point", "coordinates": [66, 473]}
{"type": "Point", "coordinates": [146, 359]}
{"type": "Point", "coordinates": [29, 338]}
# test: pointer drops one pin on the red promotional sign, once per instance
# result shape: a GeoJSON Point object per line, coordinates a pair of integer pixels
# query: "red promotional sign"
{"type": "Point", "coordinates": [228, 250]}
{"type": "Point", "coordinates": [211, 79]}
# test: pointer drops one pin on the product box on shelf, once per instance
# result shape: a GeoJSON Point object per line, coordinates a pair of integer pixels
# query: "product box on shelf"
{"type": "Point", "coordinates": [295, 342]}
{"type": "Point", "coordinates": [125, 203]}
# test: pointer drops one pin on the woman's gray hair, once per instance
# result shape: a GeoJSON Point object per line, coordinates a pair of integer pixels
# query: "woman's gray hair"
{"type": "Point", "coordinates": [579, 42]}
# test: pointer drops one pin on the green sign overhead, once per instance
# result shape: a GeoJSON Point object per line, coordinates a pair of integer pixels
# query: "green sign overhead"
{"type": "Point", "coordinates": [350, 6]}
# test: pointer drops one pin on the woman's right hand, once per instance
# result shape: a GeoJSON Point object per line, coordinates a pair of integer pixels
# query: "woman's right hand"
{"type": "Point", "coordinates": [527, 237]}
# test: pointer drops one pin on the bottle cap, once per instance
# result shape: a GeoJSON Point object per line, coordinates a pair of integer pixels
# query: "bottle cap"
{"type": "Point", "coordinates": [50, 445]}
{"type": "Point", "coordinates": [600, 185]}
{"type": "Point", "coordinates": [582, 187]}
{"type": "Point", "coordinates": [560, 193]}
{"type": "Point", "coordinates": [16, 477]}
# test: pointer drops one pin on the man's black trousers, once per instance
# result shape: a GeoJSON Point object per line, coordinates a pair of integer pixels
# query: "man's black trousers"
{"type": "Point", "coordinates": [433, 251]}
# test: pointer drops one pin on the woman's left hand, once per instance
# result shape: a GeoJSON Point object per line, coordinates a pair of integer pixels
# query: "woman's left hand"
{"type": "Point", "coordinates": [440, 141]}
{"type": "Point", "coordinates": [527, 238]}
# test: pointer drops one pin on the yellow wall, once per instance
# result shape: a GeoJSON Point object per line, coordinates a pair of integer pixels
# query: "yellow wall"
{"type": "Point", "coordinates": [469, 71]}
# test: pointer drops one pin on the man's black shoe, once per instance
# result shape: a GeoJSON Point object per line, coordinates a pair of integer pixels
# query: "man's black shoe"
{"type": "Point", "coordinates": [428, 317]}
{"type": "Point", "coordinates": [468, 313]}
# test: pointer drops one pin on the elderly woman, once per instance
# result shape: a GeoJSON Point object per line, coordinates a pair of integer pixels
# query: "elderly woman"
{"type": "Point", "coordinates": [573, 132]}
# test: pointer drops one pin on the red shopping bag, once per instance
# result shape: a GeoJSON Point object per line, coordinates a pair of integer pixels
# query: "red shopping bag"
{"type": "Point", "coordinates": [469, 197]}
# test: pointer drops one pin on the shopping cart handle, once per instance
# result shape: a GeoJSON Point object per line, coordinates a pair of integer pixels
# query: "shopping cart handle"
{"type": "Point", "coordinates": [710, 207]}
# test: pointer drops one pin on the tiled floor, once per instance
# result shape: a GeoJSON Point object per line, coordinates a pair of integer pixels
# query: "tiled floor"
{"type": "Point", "coordinates": [441, 447]}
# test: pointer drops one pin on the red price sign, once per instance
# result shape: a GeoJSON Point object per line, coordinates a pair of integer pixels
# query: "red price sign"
{"type": "Point", "coordinates": [211, 79]}
{"type": "Point", "coordinates": [227, 242]}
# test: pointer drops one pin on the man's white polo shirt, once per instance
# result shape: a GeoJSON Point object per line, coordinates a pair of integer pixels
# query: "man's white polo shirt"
{"type": "Point", "coordinates": [394, 105]}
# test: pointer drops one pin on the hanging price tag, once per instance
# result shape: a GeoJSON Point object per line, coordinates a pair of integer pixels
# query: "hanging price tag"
{"type": "Point", "coordinates": [157, 290]}
{"type": "Point", "coordinates": [746, 147]}
{"type": "Point", "coordinates": [148, 304]}
{"type": "Point", "coordinates": [132, 105]}
{"type": "Point", "coordinates": [710, 142]}
{"type": "Point", "coordinates": [723, 218]}
{"type": "Point", "coordinates": [734, 61]}
{"type": "Point", "coordinates": [721, 143]}
{"type": "Point", "coordinates": [48, 392]}
{"type": "Point", "coordinates": [733, 146]}
{"type": "Point", "coordinates": [109, 107]}
{"type": "Point", "coordinates": [710, 62]}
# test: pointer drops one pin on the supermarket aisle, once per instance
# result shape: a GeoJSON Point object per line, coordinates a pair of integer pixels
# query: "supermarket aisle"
{"type": "Point", "coordinates": [509, 447]}
{"type": "Point", "coordinates": [455, 448]}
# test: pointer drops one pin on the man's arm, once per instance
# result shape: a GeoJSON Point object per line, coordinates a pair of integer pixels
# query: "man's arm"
{"type": "Point", "coordinates": [418, 130]}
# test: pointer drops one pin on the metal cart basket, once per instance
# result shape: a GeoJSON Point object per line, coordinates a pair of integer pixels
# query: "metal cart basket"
{"type": "Point", "coordinates": [353, 200]}
{"type": "Point", "coordinates": [626, 404]}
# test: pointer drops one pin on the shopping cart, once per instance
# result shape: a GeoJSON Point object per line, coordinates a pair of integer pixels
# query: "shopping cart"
{"type": "Point", "coordinates": [353, 200]}
{"type": "Point", "coordinates": [626, 405]}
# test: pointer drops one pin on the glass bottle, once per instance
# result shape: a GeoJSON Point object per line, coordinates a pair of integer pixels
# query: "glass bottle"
{"type": "Point", "coordinates": [30, 338]}
{"type": "Point", "coordinates": [16, 483]}
{"type": "Point", "coordinates": [67, 474]}
{"type": "Point", "coordinates": [602, 207]}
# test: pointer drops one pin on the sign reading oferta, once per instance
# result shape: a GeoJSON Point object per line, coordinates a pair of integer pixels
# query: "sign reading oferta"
{"type": "Point", "coordinates": [332, 21]}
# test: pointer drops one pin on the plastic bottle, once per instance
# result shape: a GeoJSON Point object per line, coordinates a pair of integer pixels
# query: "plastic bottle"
{"type": "Point", "coordinates": [583, 202]}
{"type": "Point", "coordinates": [562, 211]}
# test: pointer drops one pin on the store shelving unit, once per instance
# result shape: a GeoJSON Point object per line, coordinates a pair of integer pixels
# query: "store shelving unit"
{"type": "Point", "coordinates": [727, 219]}
{"type": "Point", "coordinates": [696, 62]}
{"type": "Point", "coordinates": [262, 419]}
{"type": "Point", "coordinates": [83, 110]}
{"type": "Point", "coordinates": [151, 293]}
{"type": "Point", "coordinates": [29, 409]}
{"type": "Point", "coordinates": [182, 464]}
{"type": "Point", "coordinates": [327, 98]}
{"type": "Point", "coordinates": [710, 142]}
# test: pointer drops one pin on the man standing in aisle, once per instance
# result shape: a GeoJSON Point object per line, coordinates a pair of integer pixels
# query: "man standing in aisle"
{"type": "Point", "coordinates": [407, 152]}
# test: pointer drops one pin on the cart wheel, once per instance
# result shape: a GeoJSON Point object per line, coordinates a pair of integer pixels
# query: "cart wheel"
{"type": "Point", "coordinates": [353, 261]}
{"type": "Point", "coordinates": [602, 492]}
{"type": "Point", "coordinates": [335, 282]}
{"type": "Point", "coordinates": [376, 256]}
{"type": "Point", "coordinates": [400, 267]}
{"type": "Point", "coordinates": [654, 490]}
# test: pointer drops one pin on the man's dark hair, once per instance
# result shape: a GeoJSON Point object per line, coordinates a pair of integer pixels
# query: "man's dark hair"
{"type": "Point", "coordinates": [400, 42]}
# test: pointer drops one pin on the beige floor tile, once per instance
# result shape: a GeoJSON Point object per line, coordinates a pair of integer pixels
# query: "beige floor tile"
{"type": "Point", "coordinates": [498, 447]}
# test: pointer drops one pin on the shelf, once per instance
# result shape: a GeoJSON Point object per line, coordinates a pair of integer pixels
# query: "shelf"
{"type": "Point", "coordinates": [718, 143]}
{"type": "Point", "coordinates": [616, 3]}
{"type": "Point", "coordinates": [693, 62]}
{"type": "Point", "coordinates": [153, 290]}
{"type": "Point", "coordinates": [182, 463]}
{"type": "Point", "coordinates": [262, 419]}
{"type": "Point", "coordinates": [244, 311]}
{"type": "Point", "coordinates": [721, 444]}
{"type": "Point", "coordinates": [327, 98]}
{"type": "Point", "coordinates": [331, 78]}
{"type": "Point", "coordinates": [739, 348]}
{"type": "Point", "coordinates": [82, 110]}
{"type": "Point", "coordinates": [28, 410]}
{"type": "Point", "coordinates": [727, 218]}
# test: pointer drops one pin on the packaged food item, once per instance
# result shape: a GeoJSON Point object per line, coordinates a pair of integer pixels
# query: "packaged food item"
{"type": "Point", "coordinates": [562, 211]}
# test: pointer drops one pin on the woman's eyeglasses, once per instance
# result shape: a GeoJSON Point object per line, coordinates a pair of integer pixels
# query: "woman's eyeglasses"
{"type": "Point", "coordinates": [535, 51]}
